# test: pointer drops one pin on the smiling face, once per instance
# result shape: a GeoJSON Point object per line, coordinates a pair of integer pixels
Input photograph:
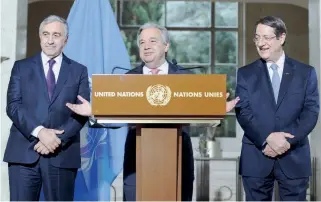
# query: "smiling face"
{"type": "Point", "coordinates": [152, 48]}
{"type": "Point", "coordinates": [268, 45]}
{"type": "Point", "coordinates": [53, 39]}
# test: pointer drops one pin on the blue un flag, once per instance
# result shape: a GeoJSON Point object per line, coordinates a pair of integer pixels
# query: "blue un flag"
{"type": "Point", "coordinates": [95, 41]}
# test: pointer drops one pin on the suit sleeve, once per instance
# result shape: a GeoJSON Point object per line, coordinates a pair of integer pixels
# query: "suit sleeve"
{"type": "Point", "coordinates": [245, 116]}
{"type": "Point", "coordinates": [76, 122]}
{"type": "Point", "coordinates": [19, 115]}
{"type": "Point", "coordinates": [310, 111]}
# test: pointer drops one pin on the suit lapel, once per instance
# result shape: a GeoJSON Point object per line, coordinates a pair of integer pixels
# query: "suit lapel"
{"type": "Point", "coordinates": [40, 74]}
{"type": "Point", "coordinates": [172, 69]}
{"type": "Point", "coordinates": [286, 79]}
{"type": "Point", "coordinates": [137, 70]}
{"type": "Point", "coordinates": [62, 77]}
{"type": "Point", "coordinates": [266, 82]}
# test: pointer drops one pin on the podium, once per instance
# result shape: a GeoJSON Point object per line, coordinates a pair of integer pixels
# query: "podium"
{"type": "Point", "coordinates": [159, 106]}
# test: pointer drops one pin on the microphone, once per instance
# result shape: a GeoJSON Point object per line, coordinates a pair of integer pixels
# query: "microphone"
{"type": "Point", "coordinates": [122, 68]}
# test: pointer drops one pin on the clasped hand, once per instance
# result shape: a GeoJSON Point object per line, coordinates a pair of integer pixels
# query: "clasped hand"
{"type": "Point", "coordinates": [277, 144]}
{"type": "Point", "coordinates": [48, 141]}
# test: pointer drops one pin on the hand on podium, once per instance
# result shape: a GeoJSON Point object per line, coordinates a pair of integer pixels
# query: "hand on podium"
{"type": "Point", "coordinates": [231, 104]}
{"type": "Point", "coordinates": [83, 109]}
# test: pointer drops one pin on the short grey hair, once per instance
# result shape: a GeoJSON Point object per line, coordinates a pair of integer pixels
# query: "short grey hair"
{"type": "Point", "coordinates": [163, 30]}
{"type": "Point", "coordinates": [55, 18]}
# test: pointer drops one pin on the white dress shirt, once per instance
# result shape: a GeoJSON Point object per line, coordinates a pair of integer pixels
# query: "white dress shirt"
{"type": "Point", "coordinates": [56, 69]}
{"type": "Point", "coordinates": [163, 69]}
{"type": "Point", "coordinates": [279, 63]}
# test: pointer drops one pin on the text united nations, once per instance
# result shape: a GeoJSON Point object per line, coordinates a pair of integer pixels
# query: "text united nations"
{"type": "Point", "coordinates": [174, 94]}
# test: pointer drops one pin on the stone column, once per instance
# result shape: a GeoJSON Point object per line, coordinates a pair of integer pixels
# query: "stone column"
{"type": "Point", "coordinates": [14, 14]}
{"type": "Point", "coordinates": [315, 61]}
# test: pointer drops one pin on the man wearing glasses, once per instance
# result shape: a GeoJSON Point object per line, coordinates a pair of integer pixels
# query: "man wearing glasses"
{"type": "Point", "coordinates": [278, 108]}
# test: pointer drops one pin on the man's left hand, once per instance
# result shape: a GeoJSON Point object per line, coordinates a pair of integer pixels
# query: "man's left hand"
{"type": "Point", "coordinates": [83, 109]}
{"type": "Point", "coordinates": [41, 148]}
{"type": "Point", "coordinates": [268, 151]}
{"type": "Point", "coordinates": [231, 104]}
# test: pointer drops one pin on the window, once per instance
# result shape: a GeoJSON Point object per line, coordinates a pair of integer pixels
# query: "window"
{"type": "Point", "coordinates": [203, 34]}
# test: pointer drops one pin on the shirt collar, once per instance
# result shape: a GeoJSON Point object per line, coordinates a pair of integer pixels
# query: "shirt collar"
{"type": "Point", "coordinates": [163, 69]}
{"type": "Point", "coordinates": [279, 63]}
{"type": "Point", "coordinates": [45, 58]}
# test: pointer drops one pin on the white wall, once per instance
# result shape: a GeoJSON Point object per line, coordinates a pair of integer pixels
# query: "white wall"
{"type": "Point", "coordinates": [13, 27]}
{"type": "Point", "coordinates": [315, 60]}
{"type": "Point", "coordinates": [301, 3]}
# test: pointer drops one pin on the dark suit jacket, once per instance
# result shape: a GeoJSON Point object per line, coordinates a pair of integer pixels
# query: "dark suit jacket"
{"type": "Point", "coordinates": [172, 69]}
{"type": "Point", "coordinates": [29, 106]}
{"type": "Point", "coordinates": [296, 112]}
{"type": "Point", "coordinates": [130, 145]}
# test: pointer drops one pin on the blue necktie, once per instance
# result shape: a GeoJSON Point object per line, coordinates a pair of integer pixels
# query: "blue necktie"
{"type": "Point", "coordinates": [51, 81]}
{"type": "Point", "coordinates": [276, 81]}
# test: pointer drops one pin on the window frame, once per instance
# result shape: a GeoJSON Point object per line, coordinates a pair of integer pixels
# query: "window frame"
{"type": "Point", "coordinates": [212, 29]}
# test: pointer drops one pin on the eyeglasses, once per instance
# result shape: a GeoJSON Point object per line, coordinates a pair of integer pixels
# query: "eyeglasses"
{"type": "Point", "coordinates": [264, 38]}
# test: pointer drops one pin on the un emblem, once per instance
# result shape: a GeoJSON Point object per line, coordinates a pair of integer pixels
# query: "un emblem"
{"type": "Point", "coordinates": [158, 95]}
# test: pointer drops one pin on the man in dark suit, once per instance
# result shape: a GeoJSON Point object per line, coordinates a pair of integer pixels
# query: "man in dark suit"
{"type": "Point", "coordinates": [278, 108]}
{"type": "Point", "coordinates": [153, 43]}
{"type": "Point", "coordinates": [43, 147]}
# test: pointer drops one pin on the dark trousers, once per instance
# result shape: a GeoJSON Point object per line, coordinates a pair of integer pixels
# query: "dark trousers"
{"type": "Point", "coordinates": [26, 180]}
{"type": "Point", "coordinates": [261, 189]}
{"type": "Point", "coordinates": [129, 171]}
